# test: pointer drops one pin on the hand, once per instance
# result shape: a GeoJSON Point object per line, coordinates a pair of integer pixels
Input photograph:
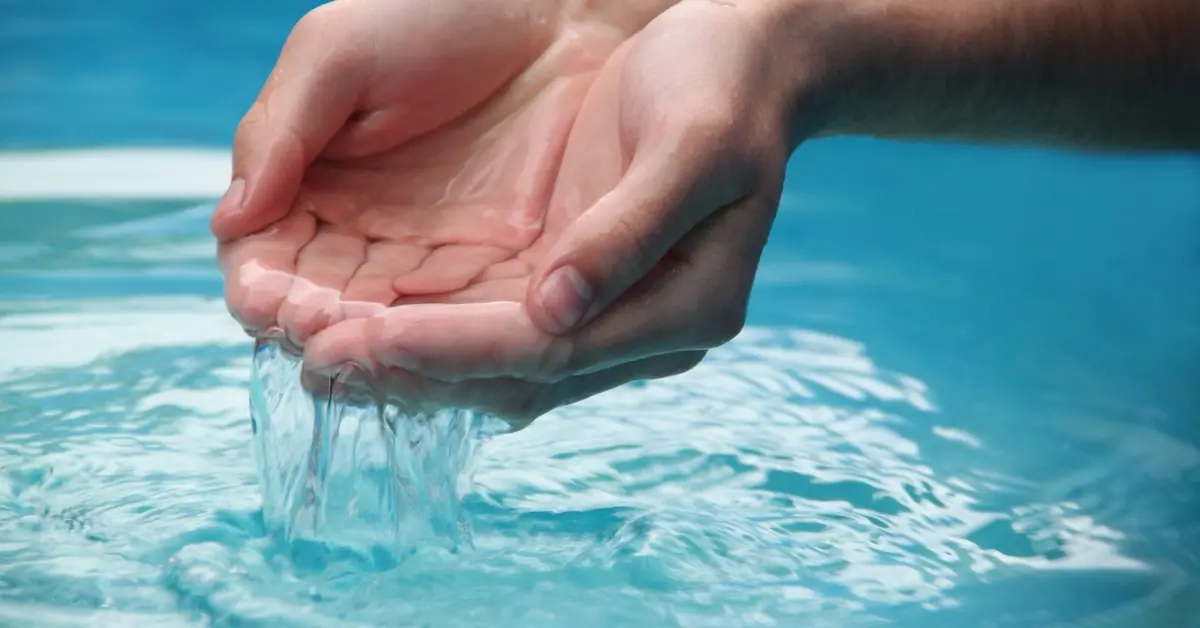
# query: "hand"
{"type": "Point", "coordinates": [404, 151]}
{"type": "Point", "coordinates": [662, 203]}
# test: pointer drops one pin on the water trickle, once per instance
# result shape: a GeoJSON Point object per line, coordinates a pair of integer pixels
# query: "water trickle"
{"type": "Point", "coordinates": [365, 478]}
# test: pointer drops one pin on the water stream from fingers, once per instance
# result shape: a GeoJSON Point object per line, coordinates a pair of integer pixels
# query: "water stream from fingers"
{"type": "Point", "coordinates": [339, 477]}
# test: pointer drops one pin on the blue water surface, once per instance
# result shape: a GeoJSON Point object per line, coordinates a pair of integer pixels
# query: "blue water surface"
{"type": "Point", "coordinates": [967, 395]}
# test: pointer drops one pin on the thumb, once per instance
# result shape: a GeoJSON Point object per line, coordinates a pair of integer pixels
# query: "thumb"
{"type": "Point", "coordinates": [625, 234]}
{"type": "Point", "coordinates": [309, 96]}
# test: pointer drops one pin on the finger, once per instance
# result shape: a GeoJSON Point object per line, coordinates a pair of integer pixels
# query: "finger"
{"type": "Point", "coordinates": [259, 270]}
{"type": "Point", "coordinates": [695, 303]}
{"type": "Point", "coordinates": [385, 261]}
{"type": "Point", "coordinates": [449, 268]}
{"type": "Point", "coordinates": [339, 346]}
{"type": "Point", "coordinates": [514, 268]}
{"type": "Point", "coordinates": [311, 93]}
{"type": "Point", "coordinates": [449, 342]}
{"type": "Point", "coordinates": [479, 292]}
{"type": "Point", "coordinates": [323, 268]}
{"type": "Point", "coordinates": [616, 241]}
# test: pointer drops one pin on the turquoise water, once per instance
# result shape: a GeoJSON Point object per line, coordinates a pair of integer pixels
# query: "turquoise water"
{"type": "Point", "coordinates": [967, 395]}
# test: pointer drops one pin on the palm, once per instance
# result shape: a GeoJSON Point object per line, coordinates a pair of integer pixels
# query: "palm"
{"type": "Point", "coordinates": [459, 214]}
{"type": "Point", "coordinates": [453, 215]}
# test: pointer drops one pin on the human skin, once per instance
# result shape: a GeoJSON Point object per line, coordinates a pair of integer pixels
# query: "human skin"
{"type": "Point", "coordinates": [412, 258]}
{"type": "Point", "coordinates": [628, 148]}
{"type": "Point", "coordinates": [1083, 74]}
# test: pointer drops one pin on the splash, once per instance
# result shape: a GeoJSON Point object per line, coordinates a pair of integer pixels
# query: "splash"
{"type": "Point", "coordinates": [362, 478]}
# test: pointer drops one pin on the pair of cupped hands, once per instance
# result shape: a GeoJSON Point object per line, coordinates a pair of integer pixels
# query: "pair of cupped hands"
{"type": "Point", "coordinates": [504, 205]}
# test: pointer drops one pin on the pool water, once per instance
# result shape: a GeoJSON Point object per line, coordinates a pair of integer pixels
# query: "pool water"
{"type": "Point", "coordinates": [966, 397]}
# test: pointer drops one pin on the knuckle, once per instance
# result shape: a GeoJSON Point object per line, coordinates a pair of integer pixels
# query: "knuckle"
{"type": "Point", "coordinates": [712, 127]}
{"type": "Point", "coordinates": [323, 42]}
{"type": "Point", "coordinates": [252, 309]}
{"type": "Point", "coordinates": [307, 321]}
{"type": "Point", "coordinates": [328, 31]}
{"type": "Point", "coordinates": [381, 344]}
{"type": "Point", "coordinates": [315, 22]}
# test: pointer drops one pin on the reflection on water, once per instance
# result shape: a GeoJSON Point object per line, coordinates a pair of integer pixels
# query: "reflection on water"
{"type": "Point", "coordinates": [788, 478]}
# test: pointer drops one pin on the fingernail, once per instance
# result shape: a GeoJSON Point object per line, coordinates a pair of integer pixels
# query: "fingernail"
{"type": "Point", "coordinates": [234, 196]}
{"type": "Point", "coordinates": [566, 297]}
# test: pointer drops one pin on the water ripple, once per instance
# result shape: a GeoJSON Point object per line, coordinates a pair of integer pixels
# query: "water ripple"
{"type": "Point", "coordinates": [788, 478]}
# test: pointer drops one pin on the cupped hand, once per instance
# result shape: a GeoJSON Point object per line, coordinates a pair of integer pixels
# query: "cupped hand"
{"type": "Point", "coordinates": [644, 250]}
{"type": "Point", "coordinates": [405, 151]}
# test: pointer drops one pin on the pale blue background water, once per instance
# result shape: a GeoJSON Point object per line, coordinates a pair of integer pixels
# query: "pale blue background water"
{"type": "Point", "coordinates": [988, 416]}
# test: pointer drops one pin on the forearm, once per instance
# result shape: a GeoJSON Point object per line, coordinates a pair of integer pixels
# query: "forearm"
{"type": "Point", "coordinates": [1085, 73]}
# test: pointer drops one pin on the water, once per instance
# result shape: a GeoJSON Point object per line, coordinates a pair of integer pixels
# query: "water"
{"type": "Point", "coordinates": [966, 397]}
{"type": "Point", "coordinates": [358, 477]}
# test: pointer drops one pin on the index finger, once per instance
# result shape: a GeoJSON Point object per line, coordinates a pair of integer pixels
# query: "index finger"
{"type": "Point", "coordinates": [311, 93]}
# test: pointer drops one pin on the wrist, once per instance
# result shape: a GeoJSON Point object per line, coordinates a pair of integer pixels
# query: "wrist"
{"type": "Point", "coordinates": [855, 66]}
{"type": "Point", "coordinates": [816, 48]}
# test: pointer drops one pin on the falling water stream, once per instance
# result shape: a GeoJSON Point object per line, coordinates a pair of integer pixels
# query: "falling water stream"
{"type": "Point", "coordinates": [369, 479]}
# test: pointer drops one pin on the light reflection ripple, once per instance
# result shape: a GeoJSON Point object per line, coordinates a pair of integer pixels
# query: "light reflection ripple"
{"type": "Point", "coordinates": [788, 478]}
